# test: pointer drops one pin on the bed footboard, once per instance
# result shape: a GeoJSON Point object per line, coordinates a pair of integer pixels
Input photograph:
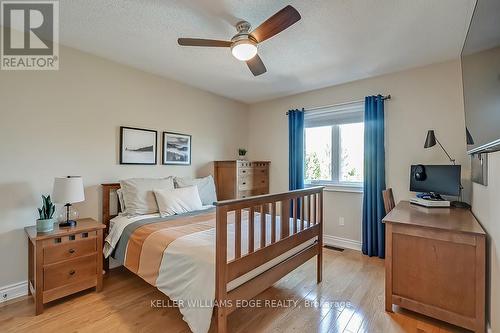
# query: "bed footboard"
{"type": "Point", "coordinates": [304, 208]}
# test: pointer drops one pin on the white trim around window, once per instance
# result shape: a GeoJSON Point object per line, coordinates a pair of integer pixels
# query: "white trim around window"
{"type": "Point", "coordinates": [338, 187]}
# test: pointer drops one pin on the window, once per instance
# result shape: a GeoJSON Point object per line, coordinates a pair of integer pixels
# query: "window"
{"type": "Point", "coordinates": [334, 146]}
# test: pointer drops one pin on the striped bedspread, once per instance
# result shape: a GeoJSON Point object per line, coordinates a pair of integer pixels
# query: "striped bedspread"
{"type": "Point", "coordinates": [142, 252]}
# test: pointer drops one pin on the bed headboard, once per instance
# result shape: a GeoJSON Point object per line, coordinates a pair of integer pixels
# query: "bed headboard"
{"type": "Point", "coordinates": [107, 215]}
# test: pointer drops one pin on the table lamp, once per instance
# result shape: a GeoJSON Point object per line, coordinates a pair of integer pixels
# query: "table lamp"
{"type": "Point", "coordinates": [67, 191]}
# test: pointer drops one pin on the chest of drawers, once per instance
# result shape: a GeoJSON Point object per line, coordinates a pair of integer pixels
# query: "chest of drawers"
{"type": "Point", "coordinates": [241, 179]}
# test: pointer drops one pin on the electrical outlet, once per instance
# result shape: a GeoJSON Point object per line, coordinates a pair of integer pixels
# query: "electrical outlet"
{"type": "Point", "coordinates": [341, 221]}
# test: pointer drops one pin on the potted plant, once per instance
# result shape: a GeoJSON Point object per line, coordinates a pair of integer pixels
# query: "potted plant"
{"type": "Point", "coordinates": [241, 153]}
{"type": "Point", "coordinates": [46, 221]}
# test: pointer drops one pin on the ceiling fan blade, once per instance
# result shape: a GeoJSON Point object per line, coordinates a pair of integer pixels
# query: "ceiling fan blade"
{"type": "Point", "coordinates": [276, 24]}
{"type": "Point", "coordinates": [256, 66]}
{"type": "Point", "coordinates": [203, 42]}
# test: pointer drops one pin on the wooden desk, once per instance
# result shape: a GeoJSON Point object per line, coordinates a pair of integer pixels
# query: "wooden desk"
{"type": "Point", "coordinates": [435, 264]}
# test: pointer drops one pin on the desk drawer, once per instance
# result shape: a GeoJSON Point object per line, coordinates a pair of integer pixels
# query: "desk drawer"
{"type": "Point", "coordinates": [68, 272]}
{"type": "Point", "coordinates": [68, 250]}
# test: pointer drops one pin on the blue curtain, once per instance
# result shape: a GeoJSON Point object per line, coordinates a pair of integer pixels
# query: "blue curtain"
{"type": "Point", "coordinates": [295, 153]}
{"type": "Point", "coordinates": [374, 178]}
{"type": "Point", "coordinates": [296, 149]}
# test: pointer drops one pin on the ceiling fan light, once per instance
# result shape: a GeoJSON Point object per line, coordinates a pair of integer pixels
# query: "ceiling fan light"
{"type": "Point", "coordinates": [244, 49]}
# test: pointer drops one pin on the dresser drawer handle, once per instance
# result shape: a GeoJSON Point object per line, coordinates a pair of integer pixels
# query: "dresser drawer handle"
{"type": "Point", "coordinates": [244, 183]}
{"type": "Point", "coordinates": [72, 251]}
{"type": "Point", "coordinates": [72, 272]}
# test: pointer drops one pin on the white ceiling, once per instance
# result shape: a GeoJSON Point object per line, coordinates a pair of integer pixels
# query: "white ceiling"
{"type": "Point", "coordinates": [336, 41]}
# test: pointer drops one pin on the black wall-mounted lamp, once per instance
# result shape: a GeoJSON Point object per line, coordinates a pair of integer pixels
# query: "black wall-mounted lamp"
{"type": "Point", "coordinates": [470, 140]}
{"type": "Point", "coordinates": [430, 141]}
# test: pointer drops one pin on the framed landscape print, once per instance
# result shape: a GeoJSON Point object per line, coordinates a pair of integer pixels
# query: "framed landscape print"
{"type": "Point", "coordinates": [137, 146]}
{"type": "Point", "coordinates": [176, 148]}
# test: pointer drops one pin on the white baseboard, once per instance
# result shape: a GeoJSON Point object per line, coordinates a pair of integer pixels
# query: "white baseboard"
{"type": "Point", "coordinates": [342, 242]}
{"type": "Point", "coordinates": [13, 291]}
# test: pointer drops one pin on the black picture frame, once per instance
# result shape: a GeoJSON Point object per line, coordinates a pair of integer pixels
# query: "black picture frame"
{"type": "Point", "coordinates": [165, 155]}
{"type": "Point", "coordinates": [133, 160]}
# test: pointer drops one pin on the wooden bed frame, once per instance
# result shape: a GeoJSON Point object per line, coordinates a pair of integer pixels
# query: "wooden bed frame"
{"type": "Point", "coordinates": [304, 206]}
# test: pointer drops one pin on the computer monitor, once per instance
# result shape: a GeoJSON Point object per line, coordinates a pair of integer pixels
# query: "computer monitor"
{"type": "Point", "coordinates": [439, 179]}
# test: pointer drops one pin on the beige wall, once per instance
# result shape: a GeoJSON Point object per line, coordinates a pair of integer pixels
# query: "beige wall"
{"type": "Point", "coordinates": [425, 98]}
{"type": "Point", "coordinates": [486, 207]}
{"type": "Point", "coordinates": [67, 122]}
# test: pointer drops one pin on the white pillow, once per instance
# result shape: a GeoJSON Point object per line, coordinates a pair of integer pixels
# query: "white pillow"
{"type": "Point", "coordinates": [178, 201]}
{"type": "Point", "coordinates": [206, 187]}
{"type": "Point", "coordinates": [121, 201]}
{"type": "Point", "coordinates": [138, 194]}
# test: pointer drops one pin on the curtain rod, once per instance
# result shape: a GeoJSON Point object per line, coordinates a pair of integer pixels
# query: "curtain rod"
{"type": "Point", "coordinates": [340, 104]}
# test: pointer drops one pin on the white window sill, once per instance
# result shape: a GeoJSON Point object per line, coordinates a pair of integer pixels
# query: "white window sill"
{"type": "Point", "coordinates": [338, 187]}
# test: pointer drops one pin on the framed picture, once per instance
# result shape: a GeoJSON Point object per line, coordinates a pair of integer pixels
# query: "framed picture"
{"type": "Point", "coordinates": [176, 148]}
{"type": "Point", "coordinates": [137, 146]}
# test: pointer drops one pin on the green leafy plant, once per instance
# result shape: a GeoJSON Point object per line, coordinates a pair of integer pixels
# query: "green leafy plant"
{"type": "Point", "coordinates": [242, 151]}
{"type": "Point", "coordinates": [313, 167]}
{"type": "Point", "coordinates": [48, 209]}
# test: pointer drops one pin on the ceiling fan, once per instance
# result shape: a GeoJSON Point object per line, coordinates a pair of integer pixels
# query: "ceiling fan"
{"type": "Point", "coordinates": [244, 44]}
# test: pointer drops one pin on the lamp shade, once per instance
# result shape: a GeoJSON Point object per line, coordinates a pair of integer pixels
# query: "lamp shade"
{"type": "Point", "coordinates": [430, 140]}
{"type": "Point", "coordinates": [244, 50]}
{"type": "Point", "coordinates": [68, 190]}
{"type": "Point", "coordinates": [470, 140]}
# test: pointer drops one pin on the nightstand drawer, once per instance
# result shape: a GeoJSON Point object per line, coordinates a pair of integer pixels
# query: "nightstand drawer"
{"type": "Point", "coordinates": [71, 271]}
{"type": "Point", "coordinates": [68, 250]}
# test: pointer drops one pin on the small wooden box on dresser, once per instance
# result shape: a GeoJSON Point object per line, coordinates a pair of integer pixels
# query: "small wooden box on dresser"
{"type": "Point", "coordinates": [64, 261]}
{"type": "Point", "coordinates": [241, 179]}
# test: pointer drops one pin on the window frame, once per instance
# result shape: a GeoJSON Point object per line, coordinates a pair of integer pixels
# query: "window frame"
{"type": "Point", "coordinates": [335, 184]}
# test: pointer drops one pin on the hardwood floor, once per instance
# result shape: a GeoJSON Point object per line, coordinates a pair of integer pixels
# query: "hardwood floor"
{"type": "Point", "coordinates": [350, 299]}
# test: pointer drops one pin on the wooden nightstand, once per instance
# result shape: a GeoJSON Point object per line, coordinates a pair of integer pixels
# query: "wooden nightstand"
{"type": "Point", "coordinates": [64, 261]}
